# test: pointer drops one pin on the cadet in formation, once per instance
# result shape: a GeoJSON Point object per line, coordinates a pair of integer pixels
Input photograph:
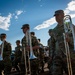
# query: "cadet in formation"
{"type": "Point", "coordinates": [5, 63]}
{"type": "Point", "coordinates": [59, 60]}
{"type": "Point", "coordinates": [51, 44]}
{"type": "Point", "coordinates": [17, 56]}
{"type": "Point", "coordinates": [35, 62]}
{"type": "Point", "coordinates": [24, 57]}
{"type": "Point", "coordinates": [41, 56]}
{"type": "Point", "coordinates": [28, 42]}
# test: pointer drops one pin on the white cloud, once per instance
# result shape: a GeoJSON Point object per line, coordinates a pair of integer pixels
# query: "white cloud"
{"type": "Point", "coordinates": [69, 10]}
{"type": "Point", "coordinates": [66, 11]}
{"type": "Point", "coordinates": [71, 6]}
{"type": "Point", "coordinates": [5, 22]}
{"type": "Point", "coordinates": [19, 12]}
{"type": "Point", "coordinates": [72, 15]}
{"type": "Point", "coordinates": [16, 17]}
{"type": "Point", "coordinates": [46, 24]}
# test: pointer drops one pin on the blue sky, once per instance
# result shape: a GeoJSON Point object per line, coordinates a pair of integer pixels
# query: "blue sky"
{"type": "Point", "coordinates": [37, 13]}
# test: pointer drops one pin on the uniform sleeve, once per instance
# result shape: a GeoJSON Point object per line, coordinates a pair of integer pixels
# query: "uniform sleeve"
{"type": "Point", "coordinates": [9, 49]}
{"type": "Point", "coordinates": [48, 42]}
{"type": "Point", "coordinates": [15, 51]}
{"type": "Point", "coordinates": [34, 41]}
{"type": "Point", "coordinates": [52, 46]}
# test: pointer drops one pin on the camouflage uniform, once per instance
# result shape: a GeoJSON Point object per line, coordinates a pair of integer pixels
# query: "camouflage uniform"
{"type": "Point", "coordinates": [6, 63]}
{"type": "Point", "coordinates": [22, 64]}
{"type": "Point", "coordinates": [17, 57]}
{"type": "Point", "coordinates": [59, 62]}
{"type": "Point", "coordinates": [59, 59]}
{"type": "Point", "coordinates": [51, 44]}
{"type": "Point", "coordinates": [33, 62]}
{"type": "Point", "coordinates": [26, 43]}
{"type": "Point", "coordinates": [55, 53]}
{"type": "Point", "coordinates": [1, 63]}
{"type": "Point", "coordinates": [41, 57]}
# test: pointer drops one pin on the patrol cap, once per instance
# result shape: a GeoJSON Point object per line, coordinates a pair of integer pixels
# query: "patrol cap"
{"type": "Point", "coordinates": [50, 30]}
{"type": "Point", "coordinates": [58, 12]}
{"type": "Point", "coordinates": [2, 35]}
{"type": "Point", "coordinates": [18, 41]}
{"type": "Point", "coordinates": [32, 33]}
{"type": "Point", "coordinates": [25, 26]}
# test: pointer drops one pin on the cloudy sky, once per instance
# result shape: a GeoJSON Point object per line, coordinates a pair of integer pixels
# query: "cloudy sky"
{"type": "Point", "coordinates": [37, 13]}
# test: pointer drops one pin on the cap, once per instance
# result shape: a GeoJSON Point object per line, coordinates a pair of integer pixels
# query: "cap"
{"type": "Point", "coordinates": [50, 30]}
{"type": "Point", "coordinates": [32, 33]}
{"type": "Point", "coordinates": [25, 26]}
{"type": "Point", "coordinates": [18, 41]}
{"type": "Point", "coordinates": [3, 34]}
{"type": "Point", "coordinates": [58, 12]}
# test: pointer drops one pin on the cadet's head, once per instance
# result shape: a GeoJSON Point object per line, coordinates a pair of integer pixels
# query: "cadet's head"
{"type": "Point", "coordinates": [17, 42]}
{"type": "Point", "coordinates": [3, 36]}
{"type": "Point", "coordinates": [59, 15]}
{"type": "Point", "coordinates": [32, 33]}
{"type": "Point", "coordinates": [39, 40]}
{"type": "Point", "coordinates": [50, 32]}
{"type": "Point", "coordinates": [25, 27]}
